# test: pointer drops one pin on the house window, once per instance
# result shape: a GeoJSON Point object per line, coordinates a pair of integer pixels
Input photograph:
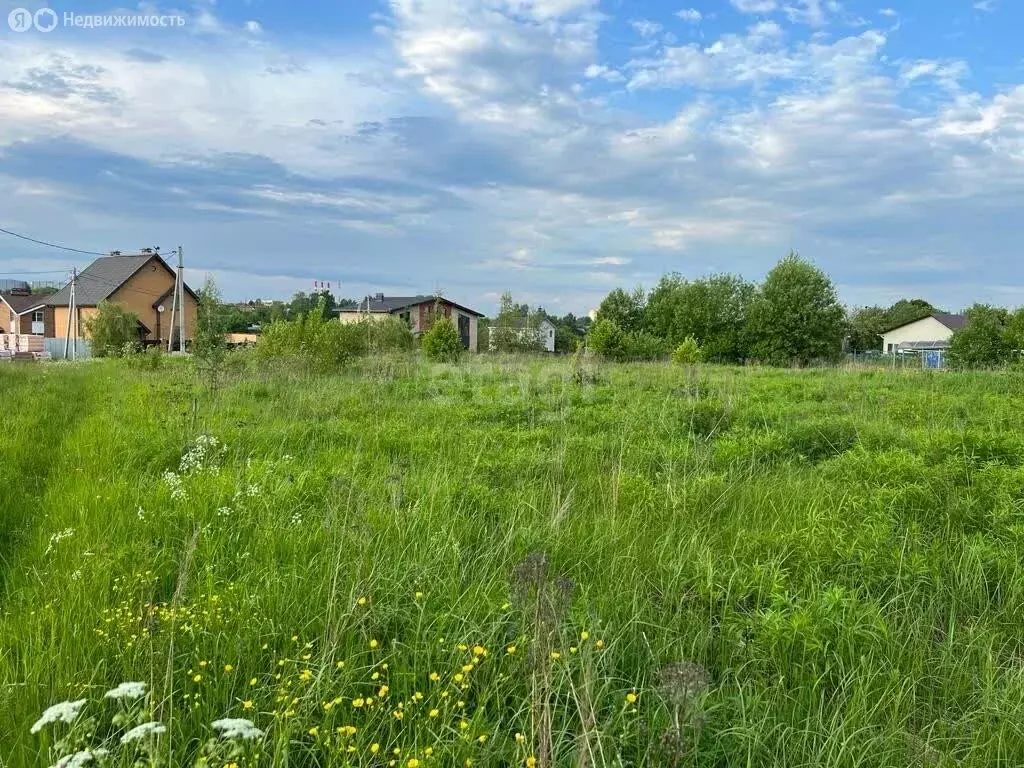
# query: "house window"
{"type": "Point", "coordinates": [405, 316]}
{"type": "Point", "coordinates": [38, 316]}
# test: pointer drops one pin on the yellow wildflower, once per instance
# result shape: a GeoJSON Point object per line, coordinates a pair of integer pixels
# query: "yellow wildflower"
{"type": "Point", "coordinates": [398, 714]}
{"type": "Point", "coordinates": [375, 676]}
{"type": "Point", "coordinates": [357, 703]}
{"type": "Point", "coordinates": [203, 663]}
{"type": "Point", "coordinates": [419, 595]}
{"type": "Point", "coordinates": [482, 738]}
{"type": "Point", "coordinates": [599, 644]}
{"type": "Point", "coordinates": [463, 647]}
{"type": "Point", "coordinates": [306, 675]}
{"type": "Point", "coordinates": [383, 692]}
{"type": "Point", "coordinates": [413, 763]}
{"type": "Point", "coordinates": [228, 668]}
{"type": "Point", "coordinates": [340, 664]}
{"type": "Point", "coordinates": [531, 762]}
{"type": "Point", "coordinates": [458, 677]}
{"type": "Point", "coordinates": [479, 650]}
{"type": "Point", "coordinates": [584, 636]}
{"type": "Point", "coordinates": [428, 751]}
{"type": "Point", "coordinates": [467, 667]}
{"type": "Point", "coordinates": [373, 644]}
{"type": "Point", "coordinates": [434, 713]}
{"type": "Point", "coordinates": [463, 725]}
{"type": "Point", "coordinates": [253, 681]}
{"type": "Point", "coordinates": [631, 698]}
{"type": "Point", "coordinates": [295, 638]}
{"type": "Point", "coordinates": [314, 731]}
{"type": "Point", "coordinates": [556, 655]}
{"type": "Point", "coordinates": [374, 748]}
{"type": "Point", "coordinates": [510, 650]}
{"type": "Point", "coordinates": [247, 704]}
{"type": "Point", "coordinates": [361, 601]}
{"type": "Point", "coordinates": [573, 649]}
{"type": "Point", "coordinates": [307, 656]}
{"type": "Point", "coordinates": [520, 738]}
{"type": "Point", "coordinates": [197, 678]}
{"type": "Point", "coordinates": [434, 676]}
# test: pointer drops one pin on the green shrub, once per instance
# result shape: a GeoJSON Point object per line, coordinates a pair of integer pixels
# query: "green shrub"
{"type": "Point", "coordinates": [442, 342]}
{"type": "Point", "coordinates": [389, 334]}
{"type": "Point", "coordinates": [606, 340]}
{"type": "Point", "coordinates": [320, 344]}
{"type": "Point", "coordinates": [641, 345]}
{"type": "Point", "coordinates": [688, 352]}
{"type": "Point", "coordinates": [111, 329]}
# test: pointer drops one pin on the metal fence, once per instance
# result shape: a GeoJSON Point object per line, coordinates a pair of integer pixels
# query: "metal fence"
{"type": "Point", "coordinates": [78, 349]}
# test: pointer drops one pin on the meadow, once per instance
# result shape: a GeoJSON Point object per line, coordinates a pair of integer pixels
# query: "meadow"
{"type": "Point", "coordinates": [510, 562]}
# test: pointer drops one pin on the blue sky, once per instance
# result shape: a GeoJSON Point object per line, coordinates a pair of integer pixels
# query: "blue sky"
{"type": "Point", "coordinates": [554, 148]}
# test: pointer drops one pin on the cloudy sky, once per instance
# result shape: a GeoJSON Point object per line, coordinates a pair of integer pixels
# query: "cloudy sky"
{"type": "Point", "coordinates": [554, 148]}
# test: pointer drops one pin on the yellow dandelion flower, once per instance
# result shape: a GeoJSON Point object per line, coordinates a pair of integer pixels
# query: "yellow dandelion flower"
{"type": "Point", "coordinates": [463, 725]}
{"type": "Point", "coordinates": [419, 595]}
{"type": "Point", "coordinates": [361, 601]}
{"type": "Point", "coordinates": [460, 704]}
{"type": "Point", "coordinates": [479, 650]}
{"type": "Point", "coordinates": [482, 738]}
{"type": "Point", "coordinates": [374, 748]}
{"type": "Point", "coordinates": [531, 762]}
{"type": "Point", "coordinates": [228, 668]}
{"type": "Point", "coordinates": [631, 698]}
{"type": "Point", "coordinates": [358, 703]}
{"type": "Point", "coordinates": [510, 650]}
{"type": "Point", "coordinates": [467, 667]}
{"type": "Point", "coordinates": [383, 692]}
{"type": "Point", "coordinates": [434, 677]}
{"type": "Point", "coordinates": [384, 667]}
{"type": "Point", "coordinates": [396, 751]}
{"type": "Point", "coordinates": [458, 677]}
{"type": "Point", "coordinates": [418, 696]}
{"type": "Point", "coordinates": [231, 765]}
{"type": "Point", "coordinates": [573, 649]}
{"type": "Point", "coordinates": [340, 665]}
{"type": "Point", "coordinates": [375, 676]}
{"type": "Point", "coordinates": [314, 731]}
{"type": "Point", "coordinates": [398, 714]}
{"type": "Point", "coordinates": [599, 644]}
{"type": "Point", "coordinates": [428, 751]}
{"type": "Point", "coordinates": [413, 763]}
{"type": "Point", "coordinates": [373, 644]}
{"type": "Point", "coordinates": [469, 762]}
{"type": "Point", "coordinates": [369, 701]}
{"type": "Point", "coordinates": [306, 675]}
{"type": "Point", "coordinates": [197, 678]}
{"type": "Point", "coordinates": [295, 638]}
{"type": "Point", "coordinates": [556, 655]}
{"type": "Point", "coordinates": [463, 647]}
{"type": "Point", "coordinates": [584, 636]}
{"type": "Point", "coordinates": [434, 713]}
{"type": "Point", "coordinates": [253, 681]}
{"type": "Point", "coordinates": [328, 706]}
{"type": "Point", "coordinates": [247, 704]}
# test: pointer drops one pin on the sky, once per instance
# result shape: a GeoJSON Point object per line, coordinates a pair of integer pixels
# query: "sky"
{"type": "Point", "coordinates": [552, 148]}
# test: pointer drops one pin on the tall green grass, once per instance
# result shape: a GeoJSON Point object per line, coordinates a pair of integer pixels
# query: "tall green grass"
{"type": "Point", "coordinates": [831, 558]}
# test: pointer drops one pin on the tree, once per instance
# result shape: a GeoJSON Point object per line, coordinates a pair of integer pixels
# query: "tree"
{"type": "Point", "coordinates": [906, 311]}
{"type": "Point", "coordinates": [516, 328]}
{"type": "Point", "coordinates": [865, 326]}
{"type": "Point", "coordinates": [111, 329]}
{"type": "Point", "coordinates": [605, 339]}
{"type": "Point", "coordinates": [983, 342]}
{"type": "Point", "coordinates": [796, 317]}
{"type": "Point", "coordinates": [688, 352]}
{"type": "Point", "coordinates": [624, 309]}
{"type": "Point", "coordinates": [209, 342]}
{"type": "Point", "coordinates": [442, 342]}
{"type": "Point", "coordinates": [1015, 335]}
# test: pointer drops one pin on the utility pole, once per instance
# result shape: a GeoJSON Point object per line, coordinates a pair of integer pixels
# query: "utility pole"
{"type": "Point", "coordinates": [170, 320]}
{"type": "Point", "coordinates": [71, 311]}
{"type": "Point", "coordinates": [181, 302]}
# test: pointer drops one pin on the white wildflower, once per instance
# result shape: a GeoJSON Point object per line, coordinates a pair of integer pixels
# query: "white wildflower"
{"type": "Point", "coordinates": [79, 758]}
{"type": "Point", "coordinates": [141, 513]}
{"type": "Point", "coordinates": [126, 691]}
{"type": "Point", "coordinates": [76, 574]}
{"type": "Point", "coordinates": [224, 512]}
{"type": "Point", "coordinates": [237, 728]}
{"type": "Point", "coordinates": [204, 454]}
{"type": "Point", "coordinates": [144, 731]}
{"type": "Point", "coordinates": [58, 537]}
{"type": "Point", "coordinates": [296, 518]}
{"type": "Point", "coordinates": [173, 482]}
{"type": "Point", "coordinates": [65, 712]}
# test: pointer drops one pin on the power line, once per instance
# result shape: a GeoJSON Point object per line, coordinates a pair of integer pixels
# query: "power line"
{"type": "Point", "coordinates": [51, 245]}
{"type": "Point", "coordinates": [47, 272]}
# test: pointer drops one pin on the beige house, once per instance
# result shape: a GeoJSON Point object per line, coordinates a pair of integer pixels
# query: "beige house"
{"type": "Point", "coordinates": [929, 333]}
{"type": "Point", "coordinates": [22, 312]}
{"type": "Point", "coordinates": [140, 283]}
{"type": "Point", "coordinates": [417, 311]}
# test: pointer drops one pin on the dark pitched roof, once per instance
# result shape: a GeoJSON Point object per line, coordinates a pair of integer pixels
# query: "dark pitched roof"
{"type": "Point", "coordinates": [953, 322]}
{"type": "Point", "coordinates": [389, 304]}
{"type": "Point", "coordinates": [22, 303]}
{"type": "Point", "coordinates": [101, 279]}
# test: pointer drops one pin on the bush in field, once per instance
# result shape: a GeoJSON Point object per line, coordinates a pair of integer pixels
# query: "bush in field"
{"type": "Point", "coordinates": [983, 342]}
{"type": "Point", "coordinates": [606, 340]}
{"type": "Point", "coordinates": [111, 330]}
{"type": "Point", "coordinates": [322, 344]}
{"type": "Point", "coordinates": [442, 342]}
{"type": "Point", "coordinates": [688, 352]}
{"type": "Point", "coordinates": [797, 317]}
{"type": "Point", "coordinates": [641, 345]}
{"type": "Point", "coordinates": [389, 334]}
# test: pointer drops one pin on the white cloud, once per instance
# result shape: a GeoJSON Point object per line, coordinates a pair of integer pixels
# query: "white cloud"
{"type": "Point", "coordinates": [810, 12]}
{"type": "Point", "coordinates": [605, 73]}
{"type": "Point", "coordinates": [754, 6]}
{"type": "Point", "coordinates": [985, 6]}
{"type": "Point", "coordinates": [646, 28]}
{"type": "Point", "coordinates": [891, 13]}
{"type": "Point", "coordinates": [690, 15]}
{"type": "Point", "coordinates": [253, 27]}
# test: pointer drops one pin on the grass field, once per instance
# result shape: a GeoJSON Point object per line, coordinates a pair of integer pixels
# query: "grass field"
{"type": "Point", "coordinates": [499, 564]}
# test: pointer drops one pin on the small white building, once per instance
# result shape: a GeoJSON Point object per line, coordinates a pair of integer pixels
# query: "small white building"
{"type": "Point", "coordinates": [929, 334]}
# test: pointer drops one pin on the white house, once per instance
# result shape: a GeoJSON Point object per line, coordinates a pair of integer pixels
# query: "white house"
{"type": "Point", "coordinates": [932, 333]}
